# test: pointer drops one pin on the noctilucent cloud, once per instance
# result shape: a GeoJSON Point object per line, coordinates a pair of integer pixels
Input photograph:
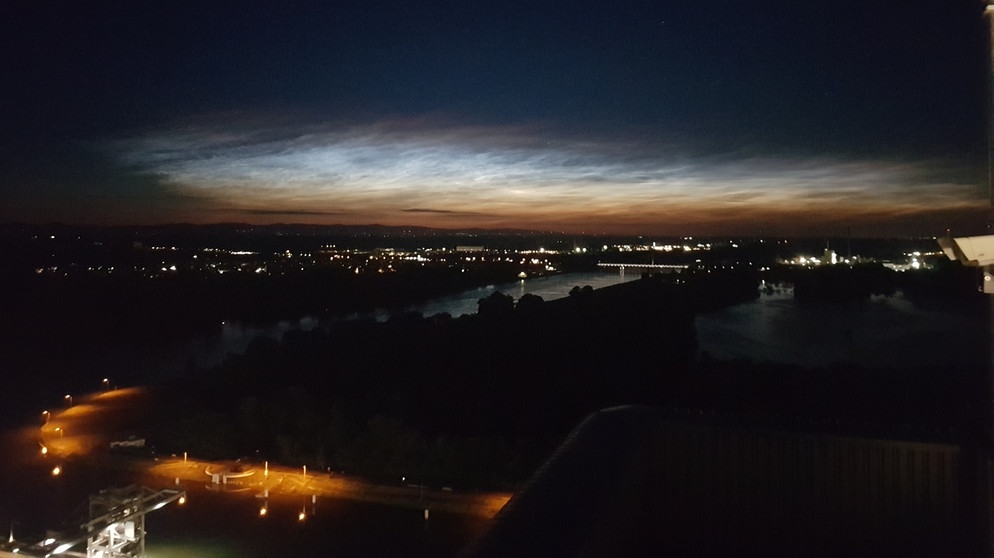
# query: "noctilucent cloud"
{"type": "Point", "coordinates": [460, 176]}
{"type": "Point", "coordinates": [639, 117]}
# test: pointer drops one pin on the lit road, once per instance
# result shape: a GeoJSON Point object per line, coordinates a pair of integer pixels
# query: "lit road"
{"type": "Point", "coordinates": [93, 421]}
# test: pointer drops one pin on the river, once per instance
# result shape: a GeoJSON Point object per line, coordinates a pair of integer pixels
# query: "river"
{"type": "Point", "coordinates": [881, 331]}
{"type": "Point", "coordinates": [235, 336]}
{"type": "Point", "coordinates": [876, 332]}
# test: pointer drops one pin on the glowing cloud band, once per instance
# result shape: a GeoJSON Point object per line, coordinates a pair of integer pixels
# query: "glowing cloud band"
{"type": "Point", "coordinates": [396, 173]}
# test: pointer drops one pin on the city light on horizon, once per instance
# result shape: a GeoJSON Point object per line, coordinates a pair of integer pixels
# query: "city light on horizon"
{"type": "Point", "coordinates": [391, 256]}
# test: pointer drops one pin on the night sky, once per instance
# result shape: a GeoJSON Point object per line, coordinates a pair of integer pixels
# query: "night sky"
{"type": "Point", "coordinates": [683, 117]}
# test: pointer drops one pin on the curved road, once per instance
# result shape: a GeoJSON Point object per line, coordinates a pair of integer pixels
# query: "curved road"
{"type": "Point", "coordinates": [89, 424]}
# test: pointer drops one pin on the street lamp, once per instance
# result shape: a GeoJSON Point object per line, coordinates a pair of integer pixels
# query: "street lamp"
{"type": "Point", "coordinates": [47, 416]}
{"type": "Point", "coordinates": [106, 383]}
{"type": "Point", "coordinates": [68, 399]}
{"type": "Point", "coordinates": [59, 430]}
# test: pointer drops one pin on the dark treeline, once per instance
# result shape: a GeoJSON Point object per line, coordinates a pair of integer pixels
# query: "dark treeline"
{"type": "Point", "coordinates": [925, 402]}
{"type": "Point", "coordinates": [70, 331]}
{"type": "Point", "coordinates": [189, 302]}
{"type": "Point", "coordinates": [127, 309]}
{"type": "Point", "coordinates": [839, 283]}
{"type": "Point", "coordinates": [479, 401]}
{"type": "Point", "coordinates": [472, 401]}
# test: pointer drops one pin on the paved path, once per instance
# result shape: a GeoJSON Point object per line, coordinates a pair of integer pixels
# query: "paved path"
{"type": "Point", "coordinates": [90, 424]}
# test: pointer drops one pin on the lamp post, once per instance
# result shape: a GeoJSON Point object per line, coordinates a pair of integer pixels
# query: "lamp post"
{"type": "Point", "coordinates": [47, 416]}
{"type": "Point", "coordinates": [106, 384]}
{"type": "Point", "coordinates": [68, 399]}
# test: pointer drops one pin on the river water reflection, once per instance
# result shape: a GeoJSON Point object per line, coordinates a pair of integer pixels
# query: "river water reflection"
{"type": "Point", "coordinates": [235, 336]}
{"type": "Point", "coordinates": [879, 332]}
{"type": "Point", "coordinates": [882, 331]}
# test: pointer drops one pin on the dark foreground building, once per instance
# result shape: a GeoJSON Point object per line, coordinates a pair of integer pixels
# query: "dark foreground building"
{"type": "Point", "coordinates": [635, 481]}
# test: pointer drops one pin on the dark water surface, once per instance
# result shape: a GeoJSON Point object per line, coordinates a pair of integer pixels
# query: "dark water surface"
{"type": "Point", "coordinates": [879, 332]}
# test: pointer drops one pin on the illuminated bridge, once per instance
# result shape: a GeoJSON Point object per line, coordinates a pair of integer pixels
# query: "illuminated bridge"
{"type": "Point", "coordinates": [674, 268]}
{"type": "Point", "coordinates": [116, 528]}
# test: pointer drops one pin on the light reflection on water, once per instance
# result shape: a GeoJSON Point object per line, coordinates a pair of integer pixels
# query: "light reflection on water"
{"type": "Point", "coordinates": [882, 331]}
{"type": "Point", "coordinates": [549, 288]}
{"type": "Point", "coordinates": [171, 358]}
{"type": "Point", "coordinates": [235, 336]}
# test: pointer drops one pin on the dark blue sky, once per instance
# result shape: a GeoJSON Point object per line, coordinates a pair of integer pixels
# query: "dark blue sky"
{"type": "Point", "coordinates": [681, 117]}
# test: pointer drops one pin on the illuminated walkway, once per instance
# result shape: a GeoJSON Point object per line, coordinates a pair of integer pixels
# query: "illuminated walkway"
{"type": "Point", "coordinates": [87, 426]}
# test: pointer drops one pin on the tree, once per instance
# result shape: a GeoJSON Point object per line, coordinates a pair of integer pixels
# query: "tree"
{"type": "Point", "coordinates": [496, 305]}
{"type": "Point", "coordinates": [529, 304]}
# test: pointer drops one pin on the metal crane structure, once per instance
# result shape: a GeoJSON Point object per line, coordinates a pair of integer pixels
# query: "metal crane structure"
{"type": "Point", "coordinates": [117, 520]}
{"type": "Point", "coordinates": [116, 528]}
